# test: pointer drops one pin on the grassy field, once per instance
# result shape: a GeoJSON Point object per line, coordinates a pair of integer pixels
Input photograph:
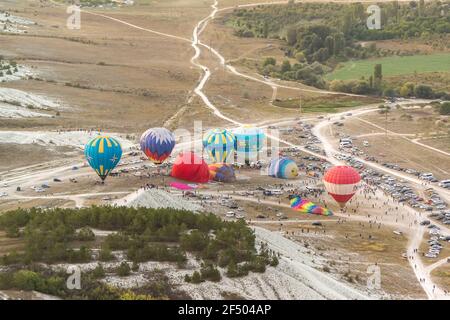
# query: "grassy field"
{"type": "Point", "coordinates": [392, 66]}
{"type": "Point", "coordinates": [325, 104]}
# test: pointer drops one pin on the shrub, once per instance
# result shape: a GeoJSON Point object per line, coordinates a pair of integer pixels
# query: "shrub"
{"type": "Point", "coordinates": [196, 277]}
{"type": "Point", "coordinates": [105, 254]}
{"type": "Point", "coordinates": [123, 270]}
{"type": "Point", "coordinates": [85, 234]}
{"type": "Point", "coordinates": [98, 272]}
{"type": "Point", "coordinates": [444, 109]}
{"type": "Point", "coordinates": [423, 91]}
{"type": "Point", "coordinates": [269, 61]}
{"type": "Point", "coordinates": [210, 273]}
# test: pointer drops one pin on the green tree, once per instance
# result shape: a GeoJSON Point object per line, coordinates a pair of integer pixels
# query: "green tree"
{"type": "Point", "coordinates": [444, 109]}
{"type": "Point", "coordinates": [339, 43]}
{"type": "Point", "coordinates": [300, 57]}
{"type": "Point", "coordinates": [423, 91]}
{"type": "Point", "coordinates": [361, 87]}
{"type": "Point", "coordinates": [210, 273]}
{"type": "Point", "coordinates": [421, 8]}
{"type": "Point", "coordinates": [266, 29]}
{"type": "Point", "coordinates": [407, 89]}
{"type": "Point", "coordinates": [389, 92]}
{"type": "Point", "coordinates": [98, 272]}
{"type": "Point", "coordinates": [27, 280]}
{"type": "Point", "coordinates": [85, 234]}
{"type": "Point", "coordinates": [286, 66]}
{"type": "Point", "coordinates": [291, 36]}
{"type": "Point", "coordinates": [378, 72]}
{"type": "Point", "coordinates": [124, 269]}
{"type": "Point", "coordinates": [105, 254]}
{"type": "Point", "coordinates": [196, 277]}
{"type": "Point", "coordinates": [377, 76]}
{"type": "Point", "coordinates": [269, 61]}
{"type": "Point", "coordinates": [329, 43]}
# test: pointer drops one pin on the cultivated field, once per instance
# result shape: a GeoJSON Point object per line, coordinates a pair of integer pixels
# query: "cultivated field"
{"type": "Point", "coordinates": [393, 66]}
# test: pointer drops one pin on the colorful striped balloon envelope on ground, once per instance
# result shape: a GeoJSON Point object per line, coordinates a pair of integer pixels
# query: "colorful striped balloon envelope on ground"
{"type": "Point", "coordinates": [103, 153]}
{"type": "Point", "coordinates": [306, 206]}
{"type": "Point", "coordinates": [283, 168]}
{"type": "Point", "coordinates": [221, 172]}
{"type": "Point", "coordinates": [219, 144]}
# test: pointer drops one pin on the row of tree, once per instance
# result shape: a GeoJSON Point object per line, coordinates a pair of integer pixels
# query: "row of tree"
{"type": "Point", "coordinates": [54, 235]}
{"type": "Point", "coordinates": [319, 36]}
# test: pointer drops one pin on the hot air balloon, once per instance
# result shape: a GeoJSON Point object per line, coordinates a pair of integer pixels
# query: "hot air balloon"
{"type": "Point", "coordinates": [306, 206]}
{"type": "Point", "coordinates": [221, 172]}
{"type": "Point", "coordinates": [249, 141]}
{"type": "Point", "coordinates": [283, 167]}
{"type": "Point", "coordinates": [188, 166]}
{"type": "Point", "coordinates": [219, 144]}
{"type": "Point", "coordinates": [103, 154]}
{"type": "Point", "coordinates": [341, 183]}
{"type": "Point", "coordinates": [157, 144]}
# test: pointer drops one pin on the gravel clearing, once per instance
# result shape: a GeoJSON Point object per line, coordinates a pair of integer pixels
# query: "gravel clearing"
{"type": "Point", "coordinates": [13, 24]}
{"type": "Point", "coordinates": [20, 104]}
{"type": "Point", "coordinates": [158, 198]}
{"type": "Point", "coordinates": [22, 73]}
{"type": "Point", "coordinates": [301, 266]}
{"type": "Point", "coordinates": [15, 112]}
{"type": "Point", "coordinates": [75, 139]}
{"type": "Point", "coordinates": [24, 99]}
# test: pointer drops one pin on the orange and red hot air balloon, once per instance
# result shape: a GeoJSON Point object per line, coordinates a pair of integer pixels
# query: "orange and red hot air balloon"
{"type": "Point", "coordinates": [341, 182]}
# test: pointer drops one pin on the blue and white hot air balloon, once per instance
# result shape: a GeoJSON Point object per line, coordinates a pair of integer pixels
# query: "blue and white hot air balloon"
{"type": "Point", "coordinates": [249, 141]}
{"type": "Point", "coordinates": [103, 153]}
{"type": "Point", "coordinates": [283, 168]}
{"type": "Point", "coordinates": [219, 144]}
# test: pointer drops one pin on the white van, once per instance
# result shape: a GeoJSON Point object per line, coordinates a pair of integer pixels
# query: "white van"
{"type": "Point", "coordinates": [444, 184]}
{"type": "Point", "coordinates": [426, 176]}
{"type": "Point", "coordinates": [346, 140]}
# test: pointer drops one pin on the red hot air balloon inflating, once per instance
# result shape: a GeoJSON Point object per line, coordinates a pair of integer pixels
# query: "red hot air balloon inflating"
{"type": "Point", "coordinates": [188, 166]}
{"type": "Point", "coordinates": [341, 182]}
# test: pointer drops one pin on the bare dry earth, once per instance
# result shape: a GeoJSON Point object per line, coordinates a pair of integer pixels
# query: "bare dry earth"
{"type": "Point", "coordinates": [108, 72]}
{"type": "Point", "coordinates": [420, 124]}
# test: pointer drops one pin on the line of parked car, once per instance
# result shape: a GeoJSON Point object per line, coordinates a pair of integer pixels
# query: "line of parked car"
{"type": "Point", "coordinates": [443, 216]}
{"type": "Point", "coordinates": [346, 145]}
{"type": "Point", "coordinates": [426, 176]}
{"type": "Point", "coordinates": [435, 246]}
